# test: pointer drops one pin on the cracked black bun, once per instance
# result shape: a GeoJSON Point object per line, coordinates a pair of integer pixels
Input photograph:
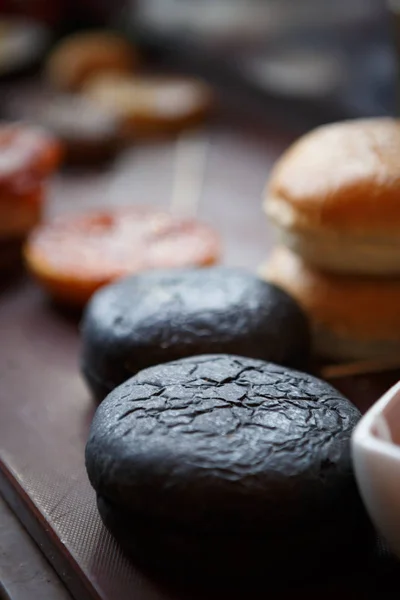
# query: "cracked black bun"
{"type": "Point", "coordinates": [225, 462]}
{"type": "Point", "coordinates": [160, 316]}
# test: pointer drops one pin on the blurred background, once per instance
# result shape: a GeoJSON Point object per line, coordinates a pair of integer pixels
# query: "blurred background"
{"type": "Point", "coordinates": [315, 59]}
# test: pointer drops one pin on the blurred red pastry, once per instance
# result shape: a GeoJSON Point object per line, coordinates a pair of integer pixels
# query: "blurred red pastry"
{"type": "Point", "coordinates": [27, 157]}
{"type": "Point", "coordinates": [75, 255]}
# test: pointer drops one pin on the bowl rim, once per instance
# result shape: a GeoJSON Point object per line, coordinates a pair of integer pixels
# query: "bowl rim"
{"type": "Point", "coordinates": [364, 438]}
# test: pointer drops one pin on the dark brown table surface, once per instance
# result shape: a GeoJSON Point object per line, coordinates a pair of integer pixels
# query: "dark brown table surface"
{"type": "Point", "coordinates": [45, 408]}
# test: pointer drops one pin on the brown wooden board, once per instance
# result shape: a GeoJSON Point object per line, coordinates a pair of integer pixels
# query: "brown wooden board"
{"type": "Point", "coordinates": [45, 408]}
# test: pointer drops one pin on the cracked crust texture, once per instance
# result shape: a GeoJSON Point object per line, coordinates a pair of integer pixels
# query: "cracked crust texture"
{"type": "Point", "coordinates": [227, 443]}
{"type": "Point", "coordinates": [167, 315]}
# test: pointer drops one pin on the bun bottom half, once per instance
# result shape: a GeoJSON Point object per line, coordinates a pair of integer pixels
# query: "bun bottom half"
{"type": "Point", "coordinates": [343, 348]}
{"type": "Point", "coordinates": [352, 318]}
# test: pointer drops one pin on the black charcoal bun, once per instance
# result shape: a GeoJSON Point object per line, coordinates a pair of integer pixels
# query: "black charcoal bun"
{"type": "Point", "coordinates": [224, 463]}
{"type": "Point", "coordinates": [162, 316]}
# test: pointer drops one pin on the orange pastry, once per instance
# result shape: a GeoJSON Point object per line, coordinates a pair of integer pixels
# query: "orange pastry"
{"type": "Point", "coordinates": [151, 105]}
{"type": "Point", "coordinates": [79, 57]}
{"type": "Point", "coordinates": [27, 157]}
{"type": "Point", "coordinates": [74, 256]}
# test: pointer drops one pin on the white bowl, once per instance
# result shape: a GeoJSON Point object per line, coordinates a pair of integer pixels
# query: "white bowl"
{"type": "Point", "coordinates": [376, 458]}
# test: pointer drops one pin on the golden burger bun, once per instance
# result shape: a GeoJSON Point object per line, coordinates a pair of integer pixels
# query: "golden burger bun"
{"type": "Point", "coordinates": [81, 56]}
{"type": "Point", "coordinates": [352, 317]}
{"type": "Point", "coordinates": [335, 197]}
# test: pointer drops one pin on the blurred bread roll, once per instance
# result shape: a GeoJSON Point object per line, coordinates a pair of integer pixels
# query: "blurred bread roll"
{"type": "Point", "coordinates": [81, 56]}
{"type": "Point", "coordinates": [150, 105]}
{"type": "Point", "coordinates": [89, 134]}
{"type": "Point", "coordinates": [334, 197]}
{"type": "Point", "coordinates": [352, 317]}
{"type": "Point", "coordinates": [28, 156]}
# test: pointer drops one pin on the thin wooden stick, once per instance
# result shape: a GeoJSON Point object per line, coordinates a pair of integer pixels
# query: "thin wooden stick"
{"type": "Point", "coordinates": [189, 174]}
{"type": "Point", "coordinates": [362, 367]}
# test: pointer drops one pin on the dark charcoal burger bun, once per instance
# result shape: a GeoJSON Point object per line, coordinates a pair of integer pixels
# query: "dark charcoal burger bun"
{"type": "Point", "coordinates": [273, 559]}
{"type": "Point", "coordinates": [162, 316]}
{"type": "Point", "coordinates": [228, 466]}
{"type": "Point", "coordinates": [226, 443]}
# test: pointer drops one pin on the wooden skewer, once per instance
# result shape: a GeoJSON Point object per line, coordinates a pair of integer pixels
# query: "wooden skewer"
{"type": "Point", "coordinates": [189, 173]}
{"type": "Point", "coordinates": [362, 367]}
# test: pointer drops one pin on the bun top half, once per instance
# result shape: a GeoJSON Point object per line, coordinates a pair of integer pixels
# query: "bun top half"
{"type": "Point", "coordinates": [343, 177]}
